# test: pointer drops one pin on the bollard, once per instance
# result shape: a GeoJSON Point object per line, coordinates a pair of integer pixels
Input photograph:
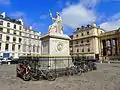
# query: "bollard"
{"type": "Point", "coordinates": [8, 63]}
{"type": "Point", "coordinates": [108, 62]}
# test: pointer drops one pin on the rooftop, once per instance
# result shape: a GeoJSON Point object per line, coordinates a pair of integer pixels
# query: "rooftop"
{"type": "Point", "coordinates": [88, 27]}
{"type": "Point", "coordinates": [10, 19]}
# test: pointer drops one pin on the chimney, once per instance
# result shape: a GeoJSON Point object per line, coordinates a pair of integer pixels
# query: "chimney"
{"type": "Point", "coordinates": [30, 27]}
{"type": "Point", "coordinates": [21, 21]}
{"type": "Point", "coordinates": [3, 14]}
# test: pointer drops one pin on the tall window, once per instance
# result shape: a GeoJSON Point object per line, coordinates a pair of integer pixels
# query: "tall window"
{"type": "Point", "coordinates": [7, 38]}
{"type": "Point", "coordinates": [0, 45]}
{"type": "Point", "coordinates": [8, 24]}
{"type": "Point", "coordinates": [20, 39]}
{"type": "Point", "coordinates": [77, 50]}
{"type": "Point", "coordinates": [0, 36]}
{"type": "Point", "coordinates": [20, 33]}
{"type": "Point", "coordinates": [19, 47]}
{"type": "Point", "coordinates": [33, 48]}
{"type": "Point", "coordinates": [6, 47]}
{"type": "Point", "coordinates": [1, 22]}
{"type": "Point", "coordinates": [82, 50]}
{"type": "Point", "coordinates": [1, 29]}
{"type": "Point", "coordinates": [20, 27]}
{"type": "Point", "coordinates": [13, 47]}
{"type": "Point", "coordinates": [88, 49]}
{"type": "Point", "coordinates": [8, 30]}
{"type": "Point", "coordinates": [81, 34]}
{"type": "Point", "coordinates": [37, 49]}
{"type": "Point", "coordinates": [14, 39]}
{"type": "Point", "coordinates": [14, 32]}
{"type": "Point", "coordinates": [14, 26]}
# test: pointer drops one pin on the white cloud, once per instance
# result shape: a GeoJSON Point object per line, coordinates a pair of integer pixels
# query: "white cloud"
{"type": "Point", "coordinates": [17, 14]}
{"type": "Point", "coordinates": [6, 2]}
{"type": "Point", "coordinates": [90, 3]}
{"type": "Point", "coordinates": [77, 15]}
{"type": "Point", "coordinates": [43, 16]}
{"type": "Point", "coordinates": [112, 23]}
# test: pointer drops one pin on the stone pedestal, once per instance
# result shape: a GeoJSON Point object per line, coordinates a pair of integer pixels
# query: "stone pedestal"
{"type": "Point", "coordinates": [56, 46]}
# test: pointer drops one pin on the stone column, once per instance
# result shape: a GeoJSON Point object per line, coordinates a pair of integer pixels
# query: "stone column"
{"type": "Point", "coordinates": [116, 47]}
{"type": "Point", "coordinates": [111, 45]}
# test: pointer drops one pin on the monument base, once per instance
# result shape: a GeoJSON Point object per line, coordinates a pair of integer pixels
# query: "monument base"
{"type": "Point", "coordinates": [56, 47]}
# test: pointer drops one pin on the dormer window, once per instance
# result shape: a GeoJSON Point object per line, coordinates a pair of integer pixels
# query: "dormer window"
{"type": "Point", "coordinates": [78, 28]}
{"type": "Point", "coordinates": [82, 27]}
{"type": "Point", "coordinates": [1, 22]}
{"type": "Point", "coordinates": [88, 25]}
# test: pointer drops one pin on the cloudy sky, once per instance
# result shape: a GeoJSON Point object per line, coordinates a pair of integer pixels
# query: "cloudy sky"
{"type": "Point", "coordinates": [105, 13]}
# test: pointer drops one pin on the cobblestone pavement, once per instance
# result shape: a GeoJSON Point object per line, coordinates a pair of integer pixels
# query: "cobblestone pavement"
{"type": "Point", "coordinates": [107, 77]}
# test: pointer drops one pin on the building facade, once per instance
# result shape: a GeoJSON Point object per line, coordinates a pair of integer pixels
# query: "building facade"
{"type": "Point", "coordinates": [16, 39]}
{"type": "Point", "coordinates": [110, 45]}
{"type": "Point", "coordinates": [85, 41]}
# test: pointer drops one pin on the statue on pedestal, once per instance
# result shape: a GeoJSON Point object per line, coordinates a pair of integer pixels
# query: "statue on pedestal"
{"type": "Point", "coordinates": [57, 26]}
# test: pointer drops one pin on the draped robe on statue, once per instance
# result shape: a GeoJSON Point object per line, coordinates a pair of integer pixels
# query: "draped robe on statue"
{"type": "Point", "coordinates": [56, 27]}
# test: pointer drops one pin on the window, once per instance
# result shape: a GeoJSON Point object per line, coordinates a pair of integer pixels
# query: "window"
{"type": "Point", "coordinates": [38, 37]}
{"type": "Point", "coordinates": [88, 41]}
{"type": "Point", "coordinates": [77, 35]}
{"type": "Point", "coordinates": [13, 47]}
{"type": "Point", "coordinates": [20, 39]}
{"type": "Point", "coordinates": [76, 42]}
{"type": "Point", "coordinates": [8, 30]}
{"type": "Point", "coordinates": [88, 49]}
{"type": "Point", "coordinates": [33, 48]}
{"type": "Point", "coordinates": [81, 34]}
{"type": "Point", "coordinates": [1, 29]}
{"type": "Point", "coordinates": [19, 47]}
{"type": "Point", "coordinates": [14, 39]}
{"type": "Point", "coordinates": [77, 50]}
{"type": "Point", "coordinates": [81, 41]}
{"type": "Point", "coordinates": [6, 47]}
{"type": "Point", "coordinates": [20, 27]}
{"type": "Point", "coordinates": [0, 36]}
{"type": "Point", "coordinates": [0, 45]}
{"type": "Point", "coordinates": [82, 50]}
{"type": "Point", "coordinates": [88, 33]}
{"type": "Point", "coordinates": [20, 33]}
{"type": "Point", "coordinates": [38, 49]}
{"type": "Point", "coordinates": [1, 22]}
{"type": "Point", "coordinates": [14, 26]}
{"type": "Point", "coordinates": [7, 38]}
{"type": "Point", "coordinates": [14, 32]}
{"type": "Point", "coordinates": [8, 24]}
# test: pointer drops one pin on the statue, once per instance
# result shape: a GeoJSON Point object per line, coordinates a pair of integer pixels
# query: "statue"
{"type": "Point", "coordinates": [56, 27]}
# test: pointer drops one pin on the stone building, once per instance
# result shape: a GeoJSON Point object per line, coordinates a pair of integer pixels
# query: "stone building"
{"type": "Point", "coordinates": [16, 39]}
{"type": "Point", "coordinates": [110, 45]}
{"type": "Point", "coordinates": [85, 41]}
